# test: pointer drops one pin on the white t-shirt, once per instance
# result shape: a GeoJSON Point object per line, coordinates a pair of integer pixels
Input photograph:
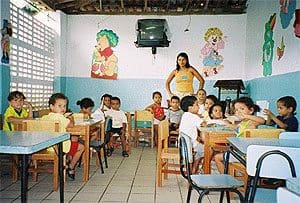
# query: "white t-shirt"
{"type": "Point", "coordinates": [98, 115]}
{"type": "Point", "coordinates": [118, 117]}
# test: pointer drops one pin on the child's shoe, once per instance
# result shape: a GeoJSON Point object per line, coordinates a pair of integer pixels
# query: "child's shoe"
{"type": "Point", "coordinates": [125, 154]}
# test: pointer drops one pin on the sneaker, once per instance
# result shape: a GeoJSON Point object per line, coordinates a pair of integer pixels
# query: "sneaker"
{"type": "Point", "coordinates": [125, 154]}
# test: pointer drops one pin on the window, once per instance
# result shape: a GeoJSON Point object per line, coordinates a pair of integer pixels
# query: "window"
{"type": "Point", "coordinates": [31, 58]}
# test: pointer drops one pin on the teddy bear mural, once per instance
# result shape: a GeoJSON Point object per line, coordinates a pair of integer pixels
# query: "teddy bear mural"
{"type": "Point", "coordinates": [6, 32]}
{"type": "Point", "coordinates": [104, 61]}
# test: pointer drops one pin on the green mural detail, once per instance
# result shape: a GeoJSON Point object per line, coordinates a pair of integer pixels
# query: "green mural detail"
{"type": "Point", "coordinates": [268, 46]}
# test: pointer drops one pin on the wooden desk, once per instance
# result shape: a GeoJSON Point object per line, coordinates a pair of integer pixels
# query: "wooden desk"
{"type": "Point", "coordinates": [86, 125]}
{"type": "Point", "coordinates": [213, 135]}
{"type": "Point", "coordinates": [26, 143]}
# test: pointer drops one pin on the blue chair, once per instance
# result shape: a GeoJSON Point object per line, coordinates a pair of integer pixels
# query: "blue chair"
{"type": "Point", "coordinates": [290, 135]}
{"type": "Point", "coordinates": [204, 183]}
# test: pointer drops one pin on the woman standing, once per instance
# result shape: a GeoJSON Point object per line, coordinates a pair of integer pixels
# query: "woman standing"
{"type": "Point", "coordinates": [184, 75]}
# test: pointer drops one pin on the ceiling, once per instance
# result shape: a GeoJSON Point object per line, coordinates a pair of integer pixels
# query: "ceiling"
{"type": "Point", "coordinates": [144, 7]}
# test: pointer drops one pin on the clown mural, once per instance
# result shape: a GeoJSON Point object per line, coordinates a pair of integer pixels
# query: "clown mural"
{"type": "Point", "coordinates": [212, 60]}
{"type": "Point", "coordinates": [104, 62]}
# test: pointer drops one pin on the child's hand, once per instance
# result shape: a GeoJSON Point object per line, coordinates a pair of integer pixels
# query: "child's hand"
{"type": "Point", "coordinates": [268, 113]}
{"type": "Point", "coordinates": [27, 105]}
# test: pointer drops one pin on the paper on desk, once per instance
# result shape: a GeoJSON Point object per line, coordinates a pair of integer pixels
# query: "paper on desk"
{"type": "Point", "coordinates": [216, 121]}
{"type": "Point", "coordinates": [263, 104]}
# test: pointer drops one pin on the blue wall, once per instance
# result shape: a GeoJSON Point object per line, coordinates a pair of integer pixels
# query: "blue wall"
{"type": "Point", "coordinates": [5, 86]}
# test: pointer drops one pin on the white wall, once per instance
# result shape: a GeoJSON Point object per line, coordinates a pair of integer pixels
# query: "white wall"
{"type": "Point", "coordinates": [258, 13]}
{"type": "Point", "coordinates": [139, 62]}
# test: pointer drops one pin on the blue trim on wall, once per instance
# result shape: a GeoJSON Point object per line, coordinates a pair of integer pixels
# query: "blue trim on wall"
{"type": "Point", "coordinates": [5, 87]}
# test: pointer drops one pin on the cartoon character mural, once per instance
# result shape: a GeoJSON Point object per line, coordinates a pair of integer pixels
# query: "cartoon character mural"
{"type": "Point", "coordinates": [210, 52]}
{"type": "Point", "coordinates": [6, 32]}
{"type": "Point", "coordinates": [268, 46]}
{"type": "Point", "coordinates": [104, 62]}
{"type": "Point", "coordinates": [287, 9]}
{"type": "Point", "coordinates": [280, 50]}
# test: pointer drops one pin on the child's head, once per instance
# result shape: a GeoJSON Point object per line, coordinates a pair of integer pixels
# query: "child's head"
{"type": "Point", "coordinates": [209, 101]}
{"type": "Point", "coordinates": [189, 104]}
{"type": "Point", "coordinates": [216, 111]}
{"type": "Point", "coordinates": [105, 100]}
{"type": "Point", "coordinates": [286, 106]}
{"type": "Point", "coordinates": [245, 105]}
{"type": "Point", "coordinates": [175, 102]}
{"type": "Point", "coordinates": [115, 103]}
{"type": "Point", "coordinates": [58, 103]}
{"type": "Point", "coordinates": [201, 94]}
{"type": "Point", "coordinates": [16, 99]}
{"type": "Point", "coordinates": [156, 96]}
{"type": "Point", "coordinates": [86, 105]}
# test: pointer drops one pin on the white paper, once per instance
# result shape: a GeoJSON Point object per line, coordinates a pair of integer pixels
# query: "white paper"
{"type": "Point", "coordinates": [263, 104]}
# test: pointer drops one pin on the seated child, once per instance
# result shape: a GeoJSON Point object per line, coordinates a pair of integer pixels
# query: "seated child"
{"type": "Point", "coordinates": [16, 112]}
{"type": "Point", "coordinates": [158, 112]}
{"type": "Point", "coordinates": [286, 107]}
{"type": "Point", "coordinates": [201, 95]}
{"type": "Point", "coordinates": [216, 115]}
{"type": "Point", "coordinates": [209, 101]}
{"type": "Point", "coordinates": [244, 108]}
{"type": "Point", "coordinates": [190, 123]}
{"type": "Point", "coordinates": [174, 114]}
{"type": "Point", "coordinates": [104, 106]}
{"type": "Point", "coordinates": [119, 123]}
{"type": "Point", "coordinates": [58, 106]}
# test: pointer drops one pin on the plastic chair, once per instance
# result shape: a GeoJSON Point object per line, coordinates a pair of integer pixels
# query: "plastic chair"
{"type": "Point", "coordinates": [143, 126]}
{"type": "Point", "coordinates": [290, 135]}
{"type": "Point", "coordinates": [284, 162]}
{"type": "Point", "coordinates": [165, 154]}
{"type": "Point", "coordinates": [206, 182]}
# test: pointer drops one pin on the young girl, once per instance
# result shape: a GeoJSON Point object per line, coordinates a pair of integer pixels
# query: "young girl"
{"type": "Point", "coordinates": [244, 108]}
{"type": "Point", "coordinates": [209, 101]}
{"type": "Point", "coordinates": [216, 115]}
{"type": "Point", "coordinates": [104, 106]}
{"type": "Point", "coordinates": [286, 107]}
{"type": "Point", "coordinates": [58, 106]}
{"type": "Point", "coordinates": [158, 112]}
{"type": "Point", "coordinates": [201, 95]}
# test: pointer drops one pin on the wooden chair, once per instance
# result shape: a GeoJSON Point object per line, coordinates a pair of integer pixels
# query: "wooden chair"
{"type": "Point", "coordinates": [42, 112]}
{"type": "Point", "coordinates": [44, 155]}
{"type": "Point", "coordinates": [165, 154]}
{"type": "Point", "coordinates": [263, 133]}
{"type": "Point", "coordinates": [143, 126]}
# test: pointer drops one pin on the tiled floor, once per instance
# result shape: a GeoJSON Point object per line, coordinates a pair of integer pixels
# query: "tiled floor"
{"type": "Point", "coordinates": [131, 179]}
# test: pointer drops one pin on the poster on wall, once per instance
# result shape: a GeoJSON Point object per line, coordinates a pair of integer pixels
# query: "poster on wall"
{"type": "Point", "coordinates": [287, 9]}
{"type": "Point", "coordinates": [104, 61]}
{"type": "Point", "coordinates": [268, 46]}
{"type": "Point", "coordinates": [6, 32]}
{"type": "Point", "coordinates": [212, 59]}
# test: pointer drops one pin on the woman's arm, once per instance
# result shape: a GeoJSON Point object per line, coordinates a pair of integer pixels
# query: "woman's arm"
{"type": "Point", "coordinates": [168, 82]}
{"type": "Point", "coordinates": [198, 76]}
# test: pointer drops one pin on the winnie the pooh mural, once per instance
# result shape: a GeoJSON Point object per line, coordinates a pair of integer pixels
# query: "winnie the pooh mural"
{"type": "Point", "coordinates": [104, 61]}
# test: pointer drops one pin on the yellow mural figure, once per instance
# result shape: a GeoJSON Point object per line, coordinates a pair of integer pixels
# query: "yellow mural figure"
{"type": "Point", "coordinates": [104, 62]}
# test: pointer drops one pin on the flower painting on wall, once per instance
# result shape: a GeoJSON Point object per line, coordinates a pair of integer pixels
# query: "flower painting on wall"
{"type": "Point", "coordinates": [104, 61]}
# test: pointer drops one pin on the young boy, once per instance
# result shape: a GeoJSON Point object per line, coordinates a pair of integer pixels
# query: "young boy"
{"type": "Point", "coordinates": [174, 113]}
{"type": "Point", "coordinates": [286, 119]}
{"type": "Point", "coordinates": [190, 123]}
{"type": "Point", "coordinates": [16, 112]}
{"type": "Point", "coordinates": [58, 106]}
{"type": "Point", "coordinates": [119, 122]}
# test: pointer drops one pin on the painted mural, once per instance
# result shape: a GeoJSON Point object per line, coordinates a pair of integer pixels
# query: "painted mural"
{"type": "Point", "coordinates": [212, 59]}
{"type": "Point", "coordinates": [287, 9]}
{"type": "Point", "coordinates": [104, 61]}
{"type": "Point", "coordinates": [6, 32]}
{"type": "Point", "coordinates": [280, 50]}
{"type": "Point", "coordinates": [268, 46]}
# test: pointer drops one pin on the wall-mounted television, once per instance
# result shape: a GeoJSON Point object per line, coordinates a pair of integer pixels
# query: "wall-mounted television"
{"type": "Point", "coordinates": [152, 33]}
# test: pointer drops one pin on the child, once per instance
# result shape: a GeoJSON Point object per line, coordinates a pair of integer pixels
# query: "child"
{"type": "Point", "coordinates": [190, 123]}
{"type": "Point", "coordinates": [216, 115]}
{"type": "Point", "coordinates": [209, 101]}
{"type": "Point", "coordinates": [286, 119]}
{"type": "Point", "coordinates": [174, 114]}
{"type": "Point", "coordinates": [158, 112]}
{"type": "Point", "coordinates": [104, 106]}
{"type": "Point", "coordinates": [119, 123]}
{"type": "Point", "coordinates": [244, 108]}
{"type": "Point", "coordinates": [58, 106]}
{"type": "Point", "coordinates": [201, 95]}
{"type": "Point", "coordinates": [16, 112]}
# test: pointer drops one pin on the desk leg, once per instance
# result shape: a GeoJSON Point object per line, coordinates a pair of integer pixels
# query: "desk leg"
{"type": "Point", "coordinates": [86, 154]}
{"type": "Point", "coordinates": [206, 155]}
{"type": "Point", "coordinates": [24, 178]}
{"type": "Point", "coordinates": [60, 171]}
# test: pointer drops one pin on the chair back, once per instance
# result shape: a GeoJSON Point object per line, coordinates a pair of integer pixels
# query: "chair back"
{"type": "Point", "coordinates": [163, 132]}
{"type": "Point", "coordinates": [273, 161]}
{"type": "Point", "coordinates": [42, 112]}
{"type": "Point", "coordinates": [290, 135]}
{"type": "Point", "coordinates": [263, 133]}
{"type": "Point", "coordinates": [143, 119]}
{"type": "Point", "coordinates": [80, 116]}
{"type": "Point", "coordinates": [185, 155]}
{"type": "Point", "coordinates": [41, 125]}
{"type": "Point", "coordinates": [107, 126]}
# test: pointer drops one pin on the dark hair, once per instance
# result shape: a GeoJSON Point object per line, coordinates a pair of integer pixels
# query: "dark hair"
{"type": "Point", "coordinates": [154, 93]}
{"type": "Point", "coordinates": [15, 94]}
{"type": "Point", "coordinates": [213, 98]}
{"type": "Point", "coordinates": [116, 98]}
{"type": "Point", "coordinates": [289, 101]}
{"type": "Point", "coordinates": [85, 103]}
{"type": "Point", "coordinates": [201, 90]}
{"type": "Point", "coordinates": [175, 97]}
{"type": "Point", "coordinates": [186, 102]}
{"type": "Point", "coordinates": [248, 102]}
{"type": "Point", "coordinates": [212, 107]}
{"type": "Point", "coordinates": [55, 97]}
{"type": "Point", "coordinates": [105, 95]}
{"type": "Point", "coordinates": [184, 55]}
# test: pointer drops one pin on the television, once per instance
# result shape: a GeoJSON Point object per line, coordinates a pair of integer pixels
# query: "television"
{"type": "Point", "coordinates": [152, 33]}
